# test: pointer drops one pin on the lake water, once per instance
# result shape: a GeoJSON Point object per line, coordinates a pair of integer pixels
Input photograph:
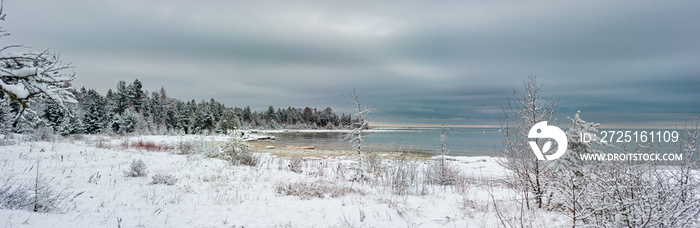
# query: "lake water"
{"type": "Point", "coordinates": [460, 141]}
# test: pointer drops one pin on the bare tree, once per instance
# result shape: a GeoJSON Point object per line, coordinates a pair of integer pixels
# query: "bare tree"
{"type": "Point", "coordinates": [522, 113]}
{"type": "Point", "coordinates": [25, 75]}
{"type": "Point", "coordinates": [355, 137]}
{"type": "Point", "coordinates": [439, 171]}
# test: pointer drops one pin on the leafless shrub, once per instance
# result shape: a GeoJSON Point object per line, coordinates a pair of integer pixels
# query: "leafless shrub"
{"type": "Point", "coordinates": [150, 146]}
{"type": "Point", "coordinates": [295, 165]}
{"type": "Point", "coordinates": [462, 185]}
{"type": "Point", "coordinates": [402, 175]}
{"type": "Point", "coordinates": [102, 143]}
{"type": "Point", "coordinates": [185, 148]}
{"type": "Point", "coordinates": [373, 163]}
{"type": "Point", "coordinates": [440, 172]}
{"type": "Point", "coordinates": [163, 179]}
{"type": "Point", "coordinates": [77, 137]}
{"type": "Point", "coordinates": [317, 167]}
{"type": "Point", "coordinates": [43, 133]}
{"type": "Point", "coordinates": [137, 169]}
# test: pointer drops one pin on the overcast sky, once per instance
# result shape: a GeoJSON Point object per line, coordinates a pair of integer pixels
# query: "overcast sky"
{"type": "Point", "coordinates": [417, 61]}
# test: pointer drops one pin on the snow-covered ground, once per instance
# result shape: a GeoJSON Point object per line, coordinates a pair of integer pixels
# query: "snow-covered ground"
{"type": "Point", "coordinates": [87, 175]}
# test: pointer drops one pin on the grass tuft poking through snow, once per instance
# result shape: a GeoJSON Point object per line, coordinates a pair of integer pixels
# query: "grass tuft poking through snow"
{"type": "Point", "coordinates": [163, 179]}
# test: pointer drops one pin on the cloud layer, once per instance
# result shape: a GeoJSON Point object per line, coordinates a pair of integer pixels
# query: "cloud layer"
{"type": "Point", "coordinates": [419, 62]}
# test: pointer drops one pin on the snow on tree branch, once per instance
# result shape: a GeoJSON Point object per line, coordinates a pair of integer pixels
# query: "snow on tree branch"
{"type": "Point", "coordinates": [25, 75]}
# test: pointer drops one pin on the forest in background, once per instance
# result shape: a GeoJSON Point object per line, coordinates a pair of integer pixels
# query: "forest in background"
{"type": "Point", "coordinates": [130, 109]}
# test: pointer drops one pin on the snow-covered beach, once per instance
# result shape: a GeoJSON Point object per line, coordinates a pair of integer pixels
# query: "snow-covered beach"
{"type": "Point", "coordinates": [85, 176]}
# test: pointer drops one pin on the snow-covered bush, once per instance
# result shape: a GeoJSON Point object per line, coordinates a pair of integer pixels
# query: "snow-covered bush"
{"type": "Point", "coordinates": [626, 194]}
{"type": "Point", "coordinates": [440, 172]}
{"type": "Point", "coordinates": [185, 148]}
{"type": "Point", "coordinates": [163, 179]}
{"type": "Point", "coordinates": [137, 169]}
{"type": "Point", "coordinates": [237, 152]}
{"type": "Point", "coordinates": [42, 133]}
{"type": "Point", "coordinates": [37, 197]}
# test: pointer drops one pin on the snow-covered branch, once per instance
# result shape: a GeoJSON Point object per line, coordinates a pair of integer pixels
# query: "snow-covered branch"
{"type": "Point", "coordinates": [25, 75]}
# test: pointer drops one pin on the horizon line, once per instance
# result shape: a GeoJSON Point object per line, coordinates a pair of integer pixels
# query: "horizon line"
{"type": "Point", "coordinates": [383, 124]}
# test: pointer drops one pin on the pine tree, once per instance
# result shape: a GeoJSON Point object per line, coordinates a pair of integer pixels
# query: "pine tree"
{"type": "Point", "coordinates": [121, 98]}
{"type": "Point", "coordinates": [70, 125]}
{"type": "Point", "coordinates": [6, 116]}
{"type": "Point", "coordinates": [53, 115]}
{"type": "Point", "coordinates": [127, 122]}
{"type": "Point", "coordinates": [135, 95]}
{"type": "Point", "coordinates": [228, 122]}
{"type": "Point", "coordinates": [95, 117]}
{"type": "Point", "coordinates": [247, 114]}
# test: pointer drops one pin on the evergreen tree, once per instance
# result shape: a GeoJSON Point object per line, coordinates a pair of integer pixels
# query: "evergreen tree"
{"type": "Point", "coordinates": [70, 125]}
{"type": "Point", "coordinates": [228, 121]}
{"type": "Point", "coordinates": [53, 115]}
{"type": "Point", "coordinates": [95, 117]}
{"type": "Point", "coordinates": [247, 114]}
{"type": "Point", "coordinates": [6, 116]}
{"type": "Point", "coordinates": [135, 95]}
{"type": "Point", "coordinates": [121, 98]}
{"type": "Point", "coordinates": [127, 122]}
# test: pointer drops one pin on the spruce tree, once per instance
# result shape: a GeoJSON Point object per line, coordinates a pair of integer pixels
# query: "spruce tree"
{"type": "Point", "coordinates": [135, 95]}
{"type": "Point", "coordinates": [95, 117]}
{"type": "Point", "coordinates": [53, 115]}
{"type": "Point", "coordinates": [121, 98]}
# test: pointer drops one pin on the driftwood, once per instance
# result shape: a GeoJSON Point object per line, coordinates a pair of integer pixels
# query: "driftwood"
{"type": "Point", "coordinates": [303, 147]}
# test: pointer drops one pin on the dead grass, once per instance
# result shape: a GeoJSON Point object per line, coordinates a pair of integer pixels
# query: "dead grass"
{"type": "Point", "coordinates": [145, 145]}
{"type": "Point", "coordinates": [316, 189]}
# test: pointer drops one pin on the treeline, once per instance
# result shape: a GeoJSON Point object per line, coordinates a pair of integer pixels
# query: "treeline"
{"type": "Point", "coordinates": [129, 109]}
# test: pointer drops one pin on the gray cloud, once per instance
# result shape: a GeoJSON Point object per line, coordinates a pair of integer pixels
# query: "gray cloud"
{"type": "Point", "coordinates": [419, 62]}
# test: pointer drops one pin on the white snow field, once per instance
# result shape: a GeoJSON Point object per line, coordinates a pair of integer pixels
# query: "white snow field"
{"type": "Point", "coordinates": [88, 186]}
